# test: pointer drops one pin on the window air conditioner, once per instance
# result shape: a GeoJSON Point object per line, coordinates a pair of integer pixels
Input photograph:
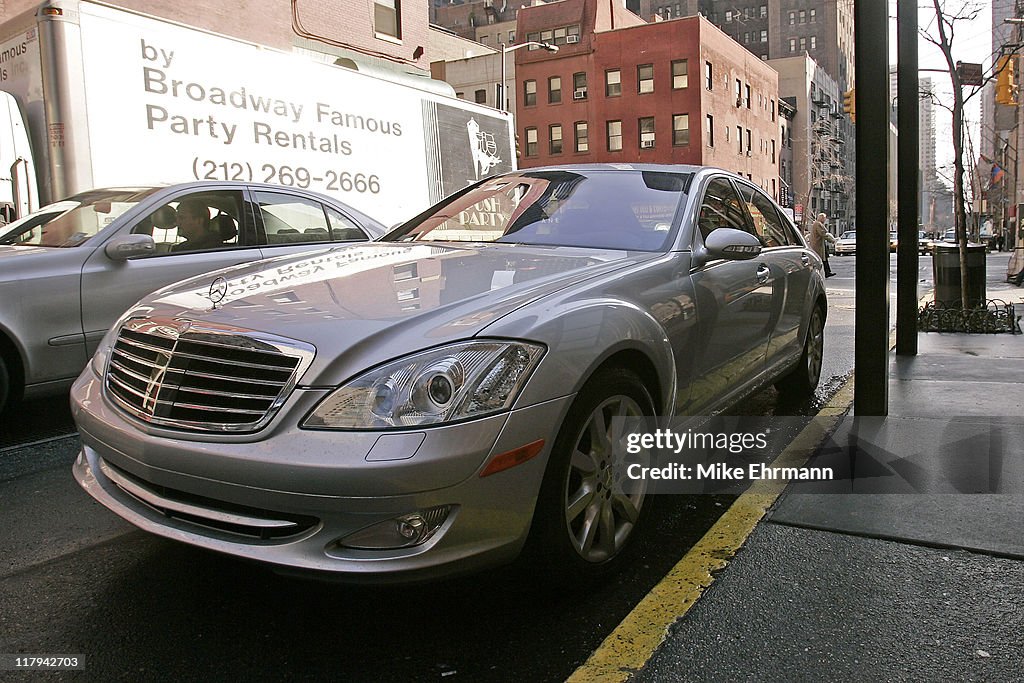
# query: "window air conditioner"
{"type": "Point", "coordinates": [572, 39]}
{"type": "Point", "coordinates": [644, 144]}
{"type": "Point", "coordinates": [579, 94]}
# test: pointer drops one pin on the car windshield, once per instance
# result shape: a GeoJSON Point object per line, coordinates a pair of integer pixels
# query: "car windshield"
{"type": "Point", "coordinates": [627, 210]}
{"type": "Point", "coordinates": [849, 236]}
{"type": "Point", "coordinates": [73, 221]}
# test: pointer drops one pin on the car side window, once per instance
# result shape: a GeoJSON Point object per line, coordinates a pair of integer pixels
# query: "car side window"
{"type": "Point", "coordinates": [288, 219]}
{"type": "Point", "coordinates": [343, 228]}
{"type": "Point", "coordinates": [721, 208]}
{"type": "Point", "coordinates": [767, 225]}
{"type": "Point", "coordinates": [200, 221]}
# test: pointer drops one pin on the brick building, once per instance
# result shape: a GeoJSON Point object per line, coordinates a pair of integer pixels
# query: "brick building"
{"type": "Point", "coordinates": [622, 90]}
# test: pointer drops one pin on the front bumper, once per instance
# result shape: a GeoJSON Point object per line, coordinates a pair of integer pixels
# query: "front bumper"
{"type": "Point", "coordinates": [285, 496]}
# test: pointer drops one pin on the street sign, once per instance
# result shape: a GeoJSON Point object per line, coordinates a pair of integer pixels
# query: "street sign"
{"type": "Point", "coordinates": [970, 73]}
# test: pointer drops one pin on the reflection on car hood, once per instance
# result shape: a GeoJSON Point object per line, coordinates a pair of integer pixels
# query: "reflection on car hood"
{"type": "Point", "coordinates": [378, 300]}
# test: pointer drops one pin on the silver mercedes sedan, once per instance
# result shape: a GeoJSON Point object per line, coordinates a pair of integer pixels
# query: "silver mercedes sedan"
{"type": "Point", "coordinates": [443, 399]}
{"type": "Point", "coordinates": [70, 269]}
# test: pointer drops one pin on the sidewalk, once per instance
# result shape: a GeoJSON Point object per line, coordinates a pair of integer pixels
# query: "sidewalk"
{"type": "Point", "coordinates": [923, 583]}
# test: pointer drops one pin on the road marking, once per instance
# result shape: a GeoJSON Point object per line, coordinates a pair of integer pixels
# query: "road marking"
{"type": "Point", "coordinates": [629, 647]}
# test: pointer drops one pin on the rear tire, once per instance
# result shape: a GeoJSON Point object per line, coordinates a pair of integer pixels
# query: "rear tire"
{"type": "Point", "coordinates": [5, 387]}
{"type": "Point", "coordinates": [582, 527]}
{"type": "Point", "coordinates": [803, 379]}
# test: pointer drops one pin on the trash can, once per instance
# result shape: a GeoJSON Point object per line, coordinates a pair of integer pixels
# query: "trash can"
{"type": "Point", "coordinates": [946, 274]}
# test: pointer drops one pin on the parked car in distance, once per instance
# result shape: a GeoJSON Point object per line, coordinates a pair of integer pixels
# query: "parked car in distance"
{"type": "Point", "coordinates": [924, 243]}
{"type": "Point", "coordinates": [847, 243]}
{"type": "Point", "coordinates": [70, 269]}
{"type": "Point", "coordinates": [442, 399]}
{"type": "Point", "coordinates": [949, 235]}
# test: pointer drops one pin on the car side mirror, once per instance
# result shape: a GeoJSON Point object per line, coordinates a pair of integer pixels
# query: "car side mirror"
{"type": "Point", "coordinates": [732, 244]}
{"type": "Point", "coordinates": [129, 246]}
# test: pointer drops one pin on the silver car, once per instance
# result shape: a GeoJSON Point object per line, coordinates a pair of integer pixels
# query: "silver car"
{"type": "Point", "coordinates": [441, 400]}
{"type": "Point", "coordinates": [70, 269]}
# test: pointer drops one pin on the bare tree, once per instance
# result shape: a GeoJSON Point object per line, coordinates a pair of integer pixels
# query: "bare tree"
{"type": "Point", "coordinates": [945, 25]}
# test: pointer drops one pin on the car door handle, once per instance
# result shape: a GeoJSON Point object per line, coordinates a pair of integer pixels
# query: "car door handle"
{"type": "Point", "coordinates": [763, 273]}
{"type": "Point", "coordinates": [805, 259]}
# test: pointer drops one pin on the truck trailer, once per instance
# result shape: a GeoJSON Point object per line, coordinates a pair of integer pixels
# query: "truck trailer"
{"type": "Point", "coordinates": [100, 96]}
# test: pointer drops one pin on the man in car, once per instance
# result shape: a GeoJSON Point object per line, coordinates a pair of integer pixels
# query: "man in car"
{"type": "Point", "coordinates": [195, 226]}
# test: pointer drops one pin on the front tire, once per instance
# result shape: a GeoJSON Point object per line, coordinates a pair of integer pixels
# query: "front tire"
{"type": "Point", "coordinates": [583, 527]}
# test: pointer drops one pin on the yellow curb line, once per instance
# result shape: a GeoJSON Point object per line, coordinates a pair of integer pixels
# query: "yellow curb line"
{"type": "Point", "coordinates": [628, 648]}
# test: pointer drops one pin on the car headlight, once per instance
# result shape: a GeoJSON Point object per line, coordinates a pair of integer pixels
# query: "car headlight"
{"type": "Point", "coordinates": [461, 381]}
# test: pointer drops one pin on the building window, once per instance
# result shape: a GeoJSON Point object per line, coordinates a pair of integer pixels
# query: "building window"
{"type": "Point", "coordinates": [773, 110]}
{"type": "Point", "coordinates": [614, 136]}
{"type": "Point", "coordinates": [773, 150]}
{"type": "Point", "coordinates": [579, 85]}
{"type": "Point", "coordinates": [531, 142]}
{"type": "Point", "coordinates": [555, 138]}
{"type": "Point", "coordinates": [554, 90]}
{"type": "Point", "coordinates": [387, 17]}
{"type": "Point", "coordinates": [483, 40]}
{"type": "Point", "coordinates": [546, 36]}
{"type": "Point", "coordinates": [746, 37]}
{"type": "Point", "coordinates": [480, 96]}
{"type": "Point", "coordinates": [814, 42]}
{"type": "Point", "coordinates": [529, 93]}
{"type": "Point", "coordinates": [646, 127]}
{"type": "Point", "coordinates": [792, 44]}
{"type": "Point", "coordinates": [511, 37]}
{"type": "Point", "coordinates": [645, 78]}
{"type": "Point", "coordinates": [764, 11]}
{"type": "Point", "coordinates": [613, 83]}
{"type": "Point", "coordinates": [746, 96]}
{"type": "Point", "coordinates": [764, 36]}
{"type": "Point", "coordinates": [680, 129]}
{"type": "Point", "coordinates": [813, 16]}
{"type": "Point", "coordinates": [533, 38]}
{"type": "Point", "coordinates": [803, 44]}
{"type": "Point", "coordinates": [582, 137]}
{"type": "Point", "coordinates": [709, 129]}
{"type": "Point", "coordinates": [803, 16]}
{"type": "Point", "coordinates": [792, 18]}
{"type": "Point", "coordinates": [680, 74]}
{"type": "Point", "coordinates": [739, 92]}
{"type": "Point", "coordinates": [728, 15]}
{"type": "Point", "coordinates": [708, 80]}
{"type": "Point", "coordinates": [748, 142]}
{"type": "Point", "coordinates": [739, 139]}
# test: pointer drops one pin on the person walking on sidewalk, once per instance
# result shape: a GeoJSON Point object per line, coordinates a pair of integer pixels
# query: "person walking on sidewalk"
{"type": "Point", "coordinates": [819, 236]}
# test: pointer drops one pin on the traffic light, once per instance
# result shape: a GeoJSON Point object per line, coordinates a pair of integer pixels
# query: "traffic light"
{"type": "Point", "coordinates": [850, 104]}
{"type": "Point", "coordinates": [1005, 91]}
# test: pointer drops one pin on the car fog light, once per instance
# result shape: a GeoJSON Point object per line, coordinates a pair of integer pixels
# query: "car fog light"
{"type": "Point", "coordinates": [405, 531]}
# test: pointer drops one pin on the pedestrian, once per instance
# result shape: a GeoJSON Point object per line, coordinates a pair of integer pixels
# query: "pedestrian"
{"type": "Point", "coordinates": [820, 237]}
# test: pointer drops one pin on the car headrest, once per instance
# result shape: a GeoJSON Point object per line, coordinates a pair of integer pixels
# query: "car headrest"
{"type": "Point", "coordinates": [226, 227]}
{"type": "Point", "coordinates": [165, 217]}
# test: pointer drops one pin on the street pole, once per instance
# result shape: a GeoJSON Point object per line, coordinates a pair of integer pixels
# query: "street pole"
{"type": "Point", "coordinates": [908, 154]}
{"type": "Point", "coordinates": [503, 102]}
{"type": "Point", "coordinates": [871, 347]}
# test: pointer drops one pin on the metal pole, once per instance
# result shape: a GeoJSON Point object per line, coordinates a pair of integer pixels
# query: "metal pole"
{"type": "Point", "coordinates": [871, 348]}
{"type": "Point", "coordinates": [503, 105]}
{"type": "Point", "coordinates": [908, 155]}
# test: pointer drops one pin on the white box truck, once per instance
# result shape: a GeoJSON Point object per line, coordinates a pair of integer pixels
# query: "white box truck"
{"type": "Point", "coordinates": [99, 96]}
